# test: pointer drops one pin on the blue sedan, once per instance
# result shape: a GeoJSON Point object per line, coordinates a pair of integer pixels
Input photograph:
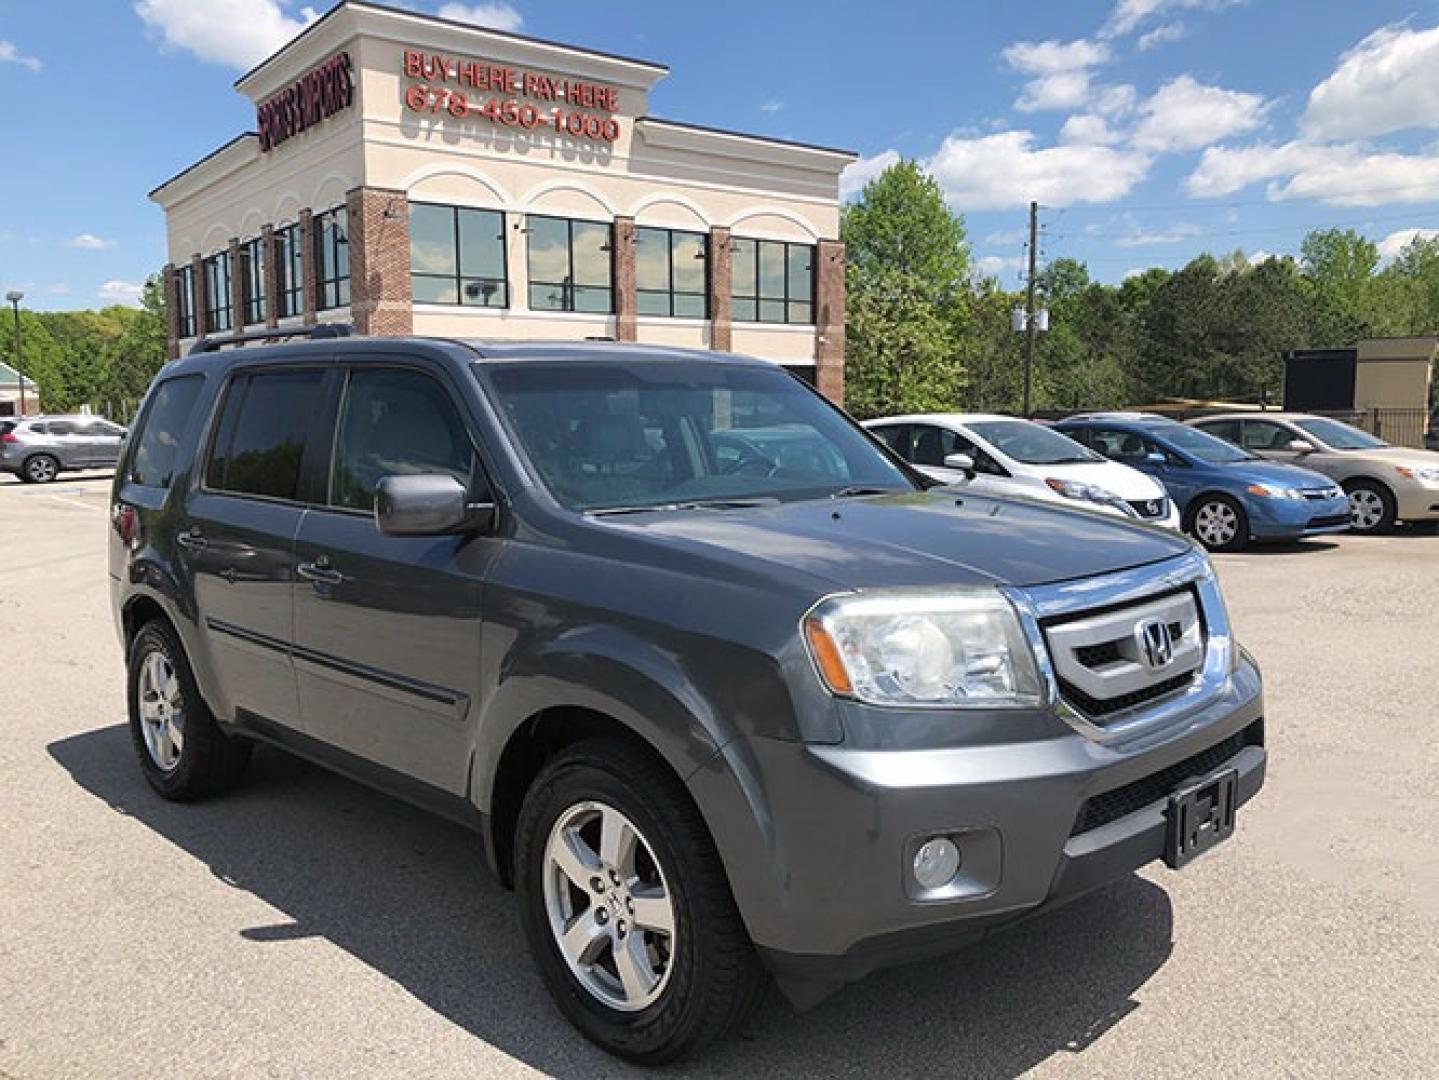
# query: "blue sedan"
{"type": "Point", "coordinates": [1226, 496]}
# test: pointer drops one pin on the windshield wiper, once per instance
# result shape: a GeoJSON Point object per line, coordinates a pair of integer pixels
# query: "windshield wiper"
{"type": "Point", "coordinates": [693, 504]}
{"type": "Point", "coordinates": [856, 490]}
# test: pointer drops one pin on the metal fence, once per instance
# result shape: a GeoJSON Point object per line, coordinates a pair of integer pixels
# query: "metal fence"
{"type": "Point", "coordinates": [1402, 427]}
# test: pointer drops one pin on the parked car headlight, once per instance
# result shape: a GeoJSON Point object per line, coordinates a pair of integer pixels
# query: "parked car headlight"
{"type": "Point", "coordinates": [1074, 489]}
{"type": "Point", "coordinates": [1274, 491]}
{"type": "Point", "coordinates": [1424, 476]}
{"type": "Point", "coordinates": [952, 649]}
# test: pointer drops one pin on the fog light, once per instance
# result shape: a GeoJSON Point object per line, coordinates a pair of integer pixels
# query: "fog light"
{"type": "Point", "coordinates": [936, 863]}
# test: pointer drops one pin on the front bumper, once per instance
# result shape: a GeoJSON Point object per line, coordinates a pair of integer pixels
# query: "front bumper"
{"type": "Point", "coordinates": [1294, 519]}
{"type": "Point", "coordinates": [1416, 502]}
{"type": "Point", "coordinates": [819, 860]}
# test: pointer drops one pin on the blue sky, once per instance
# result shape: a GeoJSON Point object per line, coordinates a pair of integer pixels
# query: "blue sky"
{"type": "Point", "coordinates": [1149, 130]}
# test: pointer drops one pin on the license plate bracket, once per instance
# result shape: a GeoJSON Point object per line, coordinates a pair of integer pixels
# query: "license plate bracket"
{"type": "Point", "coordinates": [1200, 816]}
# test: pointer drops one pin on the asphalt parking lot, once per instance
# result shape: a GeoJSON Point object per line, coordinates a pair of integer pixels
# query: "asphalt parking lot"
{"type": "Point", "coordinates": [306, 927]}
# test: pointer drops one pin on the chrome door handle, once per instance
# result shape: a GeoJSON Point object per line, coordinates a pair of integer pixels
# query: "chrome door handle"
{"type": "Point", "coordinates": [320, 571]}
{"type": "Point", "coordinates": [193, 540]}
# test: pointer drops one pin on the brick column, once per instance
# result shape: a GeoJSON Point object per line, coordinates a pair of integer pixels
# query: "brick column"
{"type": "Point", "coordinates": [272, 276]}
{"type": "Point", "coordinates": [829, 319]}
{"type": "Point", "coordinates": [239, 287]}
{"type": "Point", "coordinates": [171, 282]}
{"type": "Point", "coordinates": [379, 234]}
{"type": "Point", "coordinates": [199, 294]}
{"type": "Point", "coordinates": [623, 261]}
{"type": "Point", "coordinates": [721, 304]}
{"type": "Point", "coordinates": [309, 268]}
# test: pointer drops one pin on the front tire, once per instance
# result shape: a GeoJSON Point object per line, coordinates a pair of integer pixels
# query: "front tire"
{"type": "Point", "coordinates": [182, 751]}
{"type": "Point", "coordinates": [1219, 523]}
{"type": "Point", "coordinates": [626, 908]}
{"type": "Point", "coordinates": [1372, 508]}
{"type": "Point", "coordinates": [39, 469]}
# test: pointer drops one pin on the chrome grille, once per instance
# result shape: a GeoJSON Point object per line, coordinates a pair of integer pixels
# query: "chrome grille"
{"type": "Point", "coordinates": [1104, 665]}
{"type": "Point", "coordinates": [1320, 494]}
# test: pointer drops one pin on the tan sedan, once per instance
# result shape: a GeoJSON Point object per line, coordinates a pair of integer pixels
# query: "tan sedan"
{"type": "Point", "coordinates": [1385, 483]}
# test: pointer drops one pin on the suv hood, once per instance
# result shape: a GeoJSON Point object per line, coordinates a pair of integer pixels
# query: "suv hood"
{"type": "Point", "coordinates": [915, 539]}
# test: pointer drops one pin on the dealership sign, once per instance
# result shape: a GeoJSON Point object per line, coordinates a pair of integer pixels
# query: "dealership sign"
{"type": "Point", "coordinates": [511, 97]}
{"type": "Point", "coordinates": [316, 95]}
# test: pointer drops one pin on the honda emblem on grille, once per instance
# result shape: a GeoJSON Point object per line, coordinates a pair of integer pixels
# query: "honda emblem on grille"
{"type": "Point", "coordinates": [1156, 644]}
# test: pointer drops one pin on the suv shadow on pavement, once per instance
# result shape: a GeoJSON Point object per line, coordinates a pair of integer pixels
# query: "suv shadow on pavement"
{"type": "Point", "coordinates": [408, 894]}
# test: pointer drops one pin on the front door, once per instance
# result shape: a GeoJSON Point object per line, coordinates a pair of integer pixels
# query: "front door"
{"type": "Point", "coordinates": [387, 628]}
{"type": "Point", "coordinates": [240, 543]}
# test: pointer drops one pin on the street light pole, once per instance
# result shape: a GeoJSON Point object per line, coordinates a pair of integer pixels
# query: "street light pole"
{"type": "Point", "coordinates": [15, 296]}
{"type": "Point", "coordinates": [1031, 329]}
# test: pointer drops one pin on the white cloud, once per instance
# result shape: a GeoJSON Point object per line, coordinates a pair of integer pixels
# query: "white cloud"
{"type": "Point", "coordinates": [238, 33]}
{"type": "Point", "coordinates": [1342, 175]}
{"type": "Point", "coordinates": [1393, 245]}
{"type": "Point", "coordinates": [1139, 271]}
{"type": "Point", "coordinates": [861, 172]}
{"type": "Point", "coordinates": [1162, 35]}
{"type": "Point", "coordinates": [90, 242]}
{"type": "Point", "coordinates": [1006, 170]}
{"type": "Point", "coordinates": [9, 54]}
{"type": "Point", "coordinates": [1115, 100]}
{"type": "Point", "coordinates": [1012, 236]}
{"type": "Point", "coordinates": [771, 106]}
{"type": "Point", "coordinates": [1173, 235]}
{"type": "Point", "coordinates": [993, 265]}
{"type": "Point", "coordinates": [1086, 129]}
{"type": "Point", "coordinates": [121, 292]}
{"type": "Point", "coordinates": [1128, 15]}
{"type": "Point", "coordinates": [1186, 115]}
{"type": "Point", "coordinates": [1060, 72]}
{"type": "Point", "coordinates": [494, 16]}
{"type": "Point", "coordinates": [1388, 82]}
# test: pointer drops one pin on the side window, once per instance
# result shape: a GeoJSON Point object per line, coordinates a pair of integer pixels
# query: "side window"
{"type": "Point", "coordinates": [1123, 446]}
{"type": "Point", "coordinates": [1264, 435]}
{"type": "Point", "coordinates": [896, 437]}
{"type": "Point", "coordinates": [1227, 430]}
{"type": "Point", "coordinates": [65, 427]}
{"type": "Point", "coordinates": [932, 443]}
{"type": "Point", "coordinates": [167, 413]}
{"type": "Point", "coordinates": [261, 436]}
{"type": "Point", "coordinates": [396, 423]}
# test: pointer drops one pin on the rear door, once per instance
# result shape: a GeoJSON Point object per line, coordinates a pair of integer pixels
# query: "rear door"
{"type": "Point", "coordinates": [64, 441]}
{"type": "Point", "coordinates": [240, 544]}
{"type": "Point", "coordinates": [387, 628]}
{"type": "Point", "coordinates": [104, 442]}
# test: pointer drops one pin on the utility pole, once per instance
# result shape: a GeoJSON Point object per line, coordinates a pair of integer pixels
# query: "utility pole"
{"type": "Point", "coordinates": [1031, 331]}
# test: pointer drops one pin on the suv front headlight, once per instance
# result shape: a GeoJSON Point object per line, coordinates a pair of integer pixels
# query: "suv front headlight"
{"type": "Point", "coordinates": [952, 649]}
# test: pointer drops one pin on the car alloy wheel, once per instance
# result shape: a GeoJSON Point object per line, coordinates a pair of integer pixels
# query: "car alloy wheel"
{"type": "Point", "coordinates": [162, 711]}
{"type": "Point", "coordinates": [41, 469]}
{"type": "Point", "coordinates": [1366, 509]}
{"type": "Point", "coordinates": [1216, 524]}
{"type": "Point", "coordinates": [610, 909]}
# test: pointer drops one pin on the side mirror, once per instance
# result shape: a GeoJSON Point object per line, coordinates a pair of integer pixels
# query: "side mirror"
{"type": "Point", "coordinates": [1154, 457]}
{"type": "Point", "coordinates": [963, 462]}
{"type": "Point", "coordinates": [1299, 446]}
{"type": "Point", "coordinates": [428, 504]}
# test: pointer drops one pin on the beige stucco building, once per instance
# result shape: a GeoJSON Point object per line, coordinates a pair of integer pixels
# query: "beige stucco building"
{"type": "Point", "coordinates": [415, 175]}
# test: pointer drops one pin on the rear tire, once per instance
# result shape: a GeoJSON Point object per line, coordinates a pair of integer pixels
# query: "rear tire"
{"type": "Point", "coordinates": [1219, 523]}
{"type": "Point", "coordinates": [701, 978]}
{"type": "Point", "coordinates": [39, 469]}
{"type": "Point", "coordinates": [182, 751]}
{"type": "Point", "coordinates": [1372, 507]}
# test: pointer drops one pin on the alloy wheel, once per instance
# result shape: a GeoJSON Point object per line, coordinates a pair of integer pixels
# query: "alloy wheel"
{"type": "Point", "coordinates": [1216, 524]}
{"type": "Point", "coordinates": [1366, 509]}
{"type": "Point", "coordinates": [610, 909]}
{"type": "Point", "coordinates": [162, 711]}
{"type": "Point", "coordinates": [41, 469]}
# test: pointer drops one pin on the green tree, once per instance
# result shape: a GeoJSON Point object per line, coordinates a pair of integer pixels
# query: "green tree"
{"type": "Point", "coordinates": [908, 278]}
{"type": "Point", "coordinates": [41, 356]}
{"type": "Point", "coordinates": [138, 353]}
{"type": "Point", "coordinates": [1340, 263]}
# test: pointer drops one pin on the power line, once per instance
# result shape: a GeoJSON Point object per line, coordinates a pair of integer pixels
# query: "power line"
{"type": "Point", "coordinates": [1110, 208]}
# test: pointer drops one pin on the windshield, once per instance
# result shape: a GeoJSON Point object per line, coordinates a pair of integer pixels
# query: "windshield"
{"type": "Point", "coordinates": [1203, 446]}
{"type": "Point", "coordinates": [1032, 444]}
{"type": "Point", "coordinates": [622, 435]}
{"type": "Point", "coordinates": [1339, 436]}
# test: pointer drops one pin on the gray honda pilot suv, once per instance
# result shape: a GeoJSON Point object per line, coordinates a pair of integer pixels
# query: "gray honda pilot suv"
{"type": "Point", "coordinates": [728, 691]}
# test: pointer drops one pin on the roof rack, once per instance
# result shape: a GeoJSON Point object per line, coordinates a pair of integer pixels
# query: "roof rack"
{"type": "Point", "coordinates": [314, 333]}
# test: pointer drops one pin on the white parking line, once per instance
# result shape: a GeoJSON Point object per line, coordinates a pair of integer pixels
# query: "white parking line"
{"type": "Point", "coordinates": [77, 502]}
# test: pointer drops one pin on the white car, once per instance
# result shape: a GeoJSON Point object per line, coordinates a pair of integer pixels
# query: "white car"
{"type": "Point", "coordinates": [1004, 455]}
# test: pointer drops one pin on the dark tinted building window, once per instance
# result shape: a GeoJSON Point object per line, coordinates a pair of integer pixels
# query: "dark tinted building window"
{"type": "Point", "coordinates": [396, 423]}
{"type": "Point", "coordinates": [252, 270]}
{"type": "Point", "coordinates": [457, 256]}
{"type": "Point", "coordinates": [167, 412]}
{"type": "Point", "coordinates": [290, 271]}
{"type": "Point", "coordinates": [570, 267]}
{"type": "Point", "coordinates": [262, 431]}
{"type": "Point", "coordinates": [218, 313]}
{"type": "Point", "coordinates": [671, 273]}
{"type": "Point", "coordinates": [332, 259]}
{"type": "Point", "coordinates": [185, 299]}
{"type": "Point", "coordinates": [773, 282]}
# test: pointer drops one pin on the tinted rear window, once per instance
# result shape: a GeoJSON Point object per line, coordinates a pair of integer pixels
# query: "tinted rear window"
{"type": "Point", "coordinates": [262, 432]}
{"type": "Point", "coordinates": [167, 413]}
